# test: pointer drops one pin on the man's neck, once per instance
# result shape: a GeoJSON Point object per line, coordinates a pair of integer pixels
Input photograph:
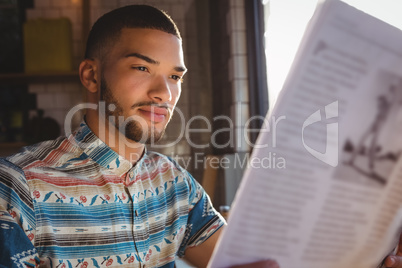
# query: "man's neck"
{"type": "Point", "coordinates": [112, 137]}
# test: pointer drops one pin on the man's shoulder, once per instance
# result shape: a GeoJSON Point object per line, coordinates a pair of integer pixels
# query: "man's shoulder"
{"type": "Point", "coordinates": [42, 153]}
{"type": "Point", "coordinates": [8, 168]}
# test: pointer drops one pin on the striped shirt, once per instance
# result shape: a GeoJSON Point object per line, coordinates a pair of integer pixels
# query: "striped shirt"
{"type": "Point", "coordinates": [74, 202]}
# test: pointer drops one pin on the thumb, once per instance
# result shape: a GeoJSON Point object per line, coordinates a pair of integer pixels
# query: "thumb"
{"type": "Point", "coordinates": [399, 251]}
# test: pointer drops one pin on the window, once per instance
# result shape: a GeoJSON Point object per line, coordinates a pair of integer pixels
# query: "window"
{"type": "Point", "coordinates": [285, 21]}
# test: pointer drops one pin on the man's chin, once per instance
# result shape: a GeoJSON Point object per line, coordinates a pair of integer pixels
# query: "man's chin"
{"type": "Point", "coordinates": [134, 132]}
{"type": "Point", "coordinates": [145, 139]}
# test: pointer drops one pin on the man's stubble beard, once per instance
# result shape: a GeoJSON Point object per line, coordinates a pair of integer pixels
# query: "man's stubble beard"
{"type": "Point", "coordinates": [130, 128]}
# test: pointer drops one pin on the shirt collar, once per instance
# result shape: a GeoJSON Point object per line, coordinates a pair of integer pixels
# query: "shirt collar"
{"type": "Point", "coordinates": [99, 152]}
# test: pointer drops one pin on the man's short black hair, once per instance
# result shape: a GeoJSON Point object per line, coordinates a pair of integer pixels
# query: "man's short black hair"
{"type": "Point", "coordinates": [107, 28]}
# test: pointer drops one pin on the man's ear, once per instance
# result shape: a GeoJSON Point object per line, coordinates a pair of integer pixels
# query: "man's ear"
{"type": "Point", "coordinates": [88, 75]}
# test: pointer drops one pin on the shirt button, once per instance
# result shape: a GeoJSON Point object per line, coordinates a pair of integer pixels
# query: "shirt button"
{"type": "Point", "coordinates": [136, 213]}
{"type": "Point", "coordinates": [131, 175]}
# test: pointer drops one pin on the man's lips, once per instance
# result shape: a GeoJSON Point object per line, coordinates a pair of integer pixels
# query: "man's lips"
{"type": "Point", "coordinates": [154, 113]}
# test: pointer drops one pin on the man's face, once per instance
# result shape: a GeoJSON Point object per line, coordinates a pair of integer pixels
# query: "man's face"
{"type": "Point", "coordinates": [141, 82]}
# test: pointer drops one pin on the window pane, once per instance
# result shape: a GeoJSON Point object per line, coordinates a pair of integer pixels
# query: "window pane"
{"type": "Point", "coordinates": [286, 21]}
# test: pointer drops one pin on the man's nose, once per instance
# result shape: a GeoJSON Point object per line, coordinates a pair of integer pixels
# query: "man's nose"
{"type": "Point", "coordinates": [160, 90]}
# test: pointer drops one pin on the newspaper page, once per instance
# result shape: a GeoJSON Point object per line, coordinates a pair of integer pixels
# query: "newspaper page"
{"type": "Point", "coordinates": [324, 185]}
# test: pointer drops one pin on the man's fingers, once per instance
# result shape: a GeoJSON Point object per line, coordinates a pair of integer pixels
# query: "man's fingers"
{"type": "Point", "coordinates": [399, 252]}
{"type": "Point", "coordinates": [393, 262]}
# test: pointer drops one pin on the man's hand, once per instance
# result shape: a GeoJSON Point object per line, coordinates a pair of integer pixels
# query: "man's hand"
{"type": "Point", "coordinates": [395, 261]}
{"type": "Point", "coordinates": [261, 264]}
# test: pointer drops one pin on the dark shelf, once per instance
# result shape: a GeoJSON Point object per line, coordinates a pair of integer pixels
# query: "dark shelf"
{"type": "Point", "coordinates": [39, 78]}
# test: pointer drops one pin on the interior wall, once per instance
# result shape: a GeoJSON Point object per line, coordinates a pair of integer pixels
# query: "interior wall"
{"type": "Point", "coordinates": [230, 93]}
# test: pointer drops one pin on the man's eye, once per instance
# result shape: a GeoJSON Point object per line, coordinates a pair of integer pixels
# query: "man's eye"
{"type": "Point", "coordinates": [176, 78]}
{"type": "Point", "coordinates": [141, 68]}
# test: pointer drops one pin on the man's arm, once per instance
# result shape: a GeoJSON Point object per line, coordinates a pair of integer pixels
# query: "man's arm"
{"type": "Point", "coordinates": [16, 248]}
{"type": "Point", "coordinates": [17, 220]}
{"type": "Point", "coordinates": [200, 255]}
{"type": "Point", "coordinates": [201, 214]}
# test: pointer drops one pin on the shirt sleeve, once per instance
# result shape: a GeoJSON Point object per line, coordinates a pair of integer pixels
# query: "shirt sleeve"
{"type": "Point", "coordinates": [203, 219]}
{"type": "Point", "coordinates": [17, 222]}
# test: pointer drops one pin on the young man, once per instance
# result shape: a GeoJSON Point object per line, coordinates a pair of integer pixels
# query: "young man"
{"type": "Point", "coordinates": [97, 198]}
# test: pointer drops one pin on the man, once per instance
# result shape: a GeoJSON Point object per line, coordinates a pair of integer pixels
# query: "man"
{"type": "Point", "coordinates": [97, 198]}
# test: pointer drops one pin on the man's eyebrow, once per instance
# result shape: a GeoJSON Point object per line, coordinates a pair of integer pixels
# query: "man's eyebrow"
{"type": "Point", "coordinates": [143, 57]}
{"type": "Point", "coordinates": [152, 61]}
{"type": "Point", "coordinates": [180, 69]}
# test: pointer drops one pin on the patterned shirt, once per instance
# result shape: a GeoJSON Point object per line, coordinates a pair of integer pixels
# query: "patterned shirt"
{"type": "Point", "coordinates": [74, 202]}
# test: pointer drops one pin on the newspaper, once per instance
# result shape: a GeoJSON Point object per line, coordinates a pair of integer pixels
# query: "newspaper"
{"type": "Point", "coordinates": [333, 196]}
